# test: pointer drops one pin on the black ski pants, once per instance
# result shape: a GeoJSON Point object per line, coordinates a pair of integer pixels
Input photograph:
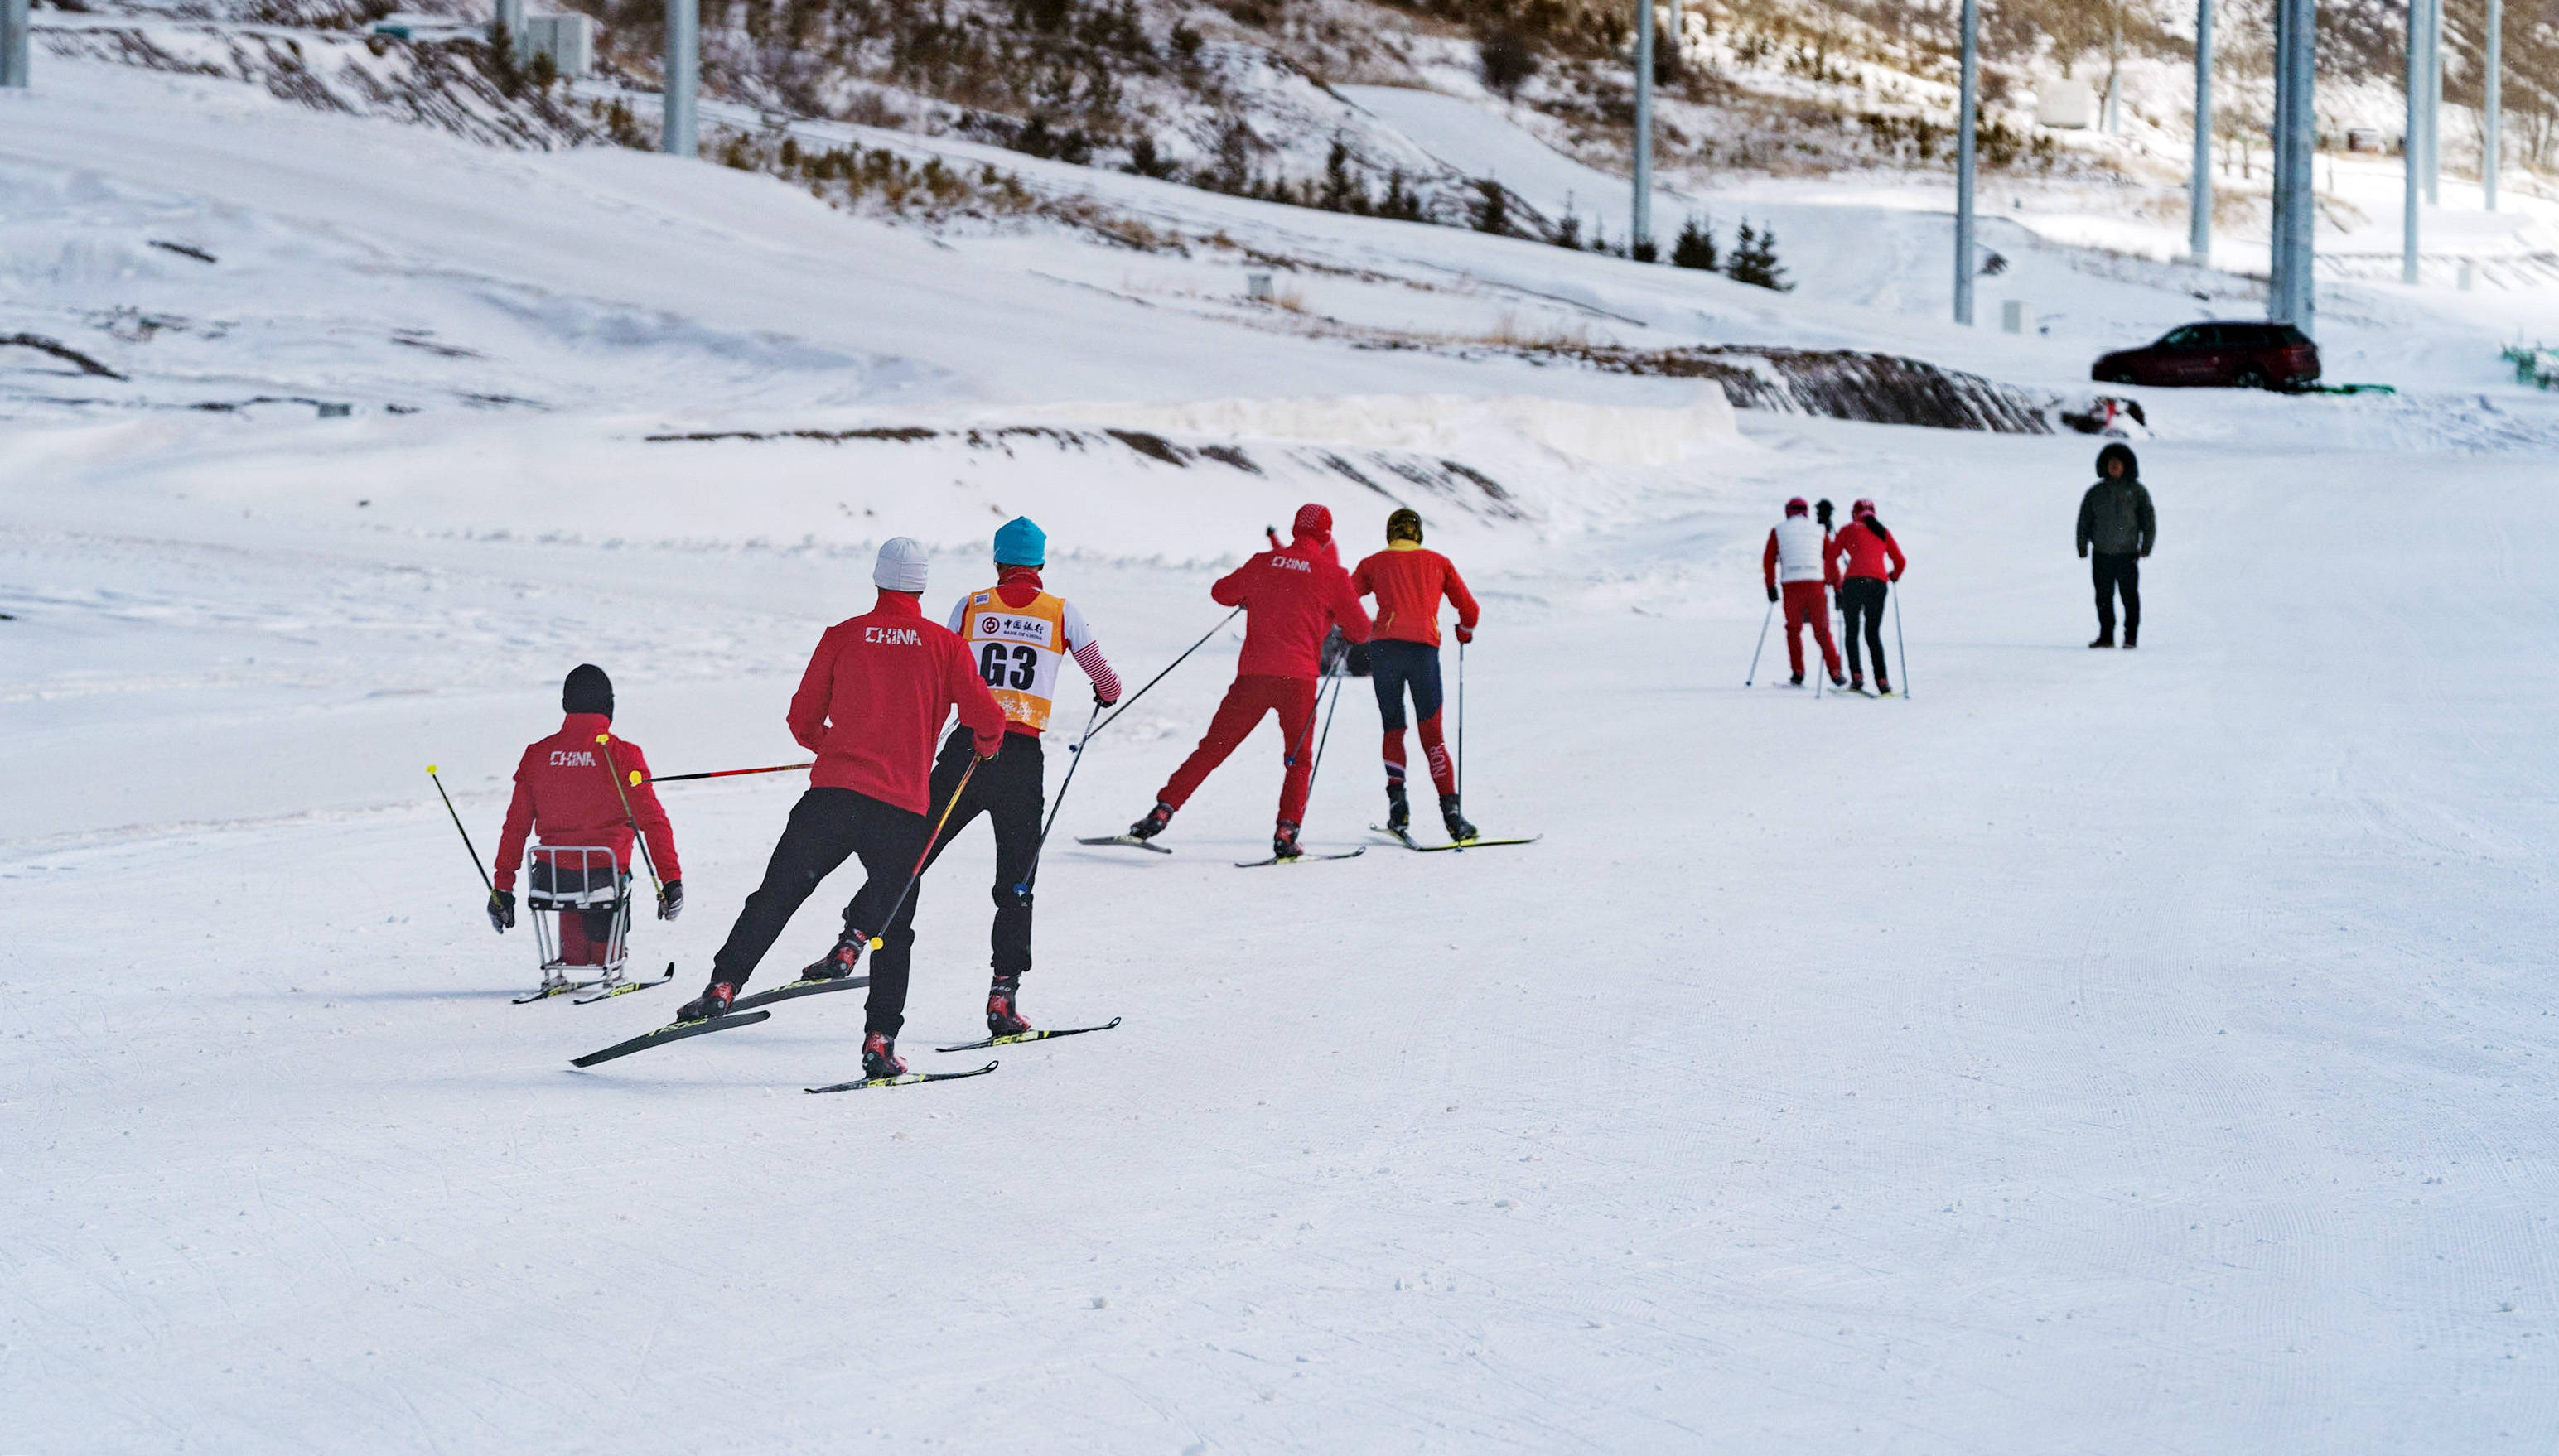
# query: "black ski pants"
{"type": "Point", "coordinates": [1862, 601]}
{"type": "Point", "coordinates": [827, 827]}
{"type": "Point", "coordinates": [1396, 667]}
{"type": "Point", "coordinates": [2113, 571]}
{"type": "Point", "coordinates": [1011, 790]}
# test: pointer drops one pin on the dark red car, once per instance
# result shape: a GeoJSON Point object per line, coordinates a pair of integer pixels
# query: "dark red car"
{"type": "Point", "coordinates": [2238, 355]}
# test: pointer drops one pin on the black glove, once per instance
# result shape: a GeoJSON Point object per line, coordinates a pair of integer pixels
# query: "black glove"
{"type": "Point", "coordinates": [1822, 513]}
{"type": "Point", "coordinates": [1358, 660]}
{"type": "Point", "coordinates": [1772, 593]}
{"type": "Point", "coordinates": [671, 899]}
{"type": "Point", "coordinates": [1100, 701]}
{"type": "Point", "coordinates": [501, 910]}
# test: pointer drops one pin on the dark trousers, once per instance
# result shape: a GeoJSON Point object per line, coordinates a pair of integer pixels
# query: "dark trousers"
{"type": "Point", "coordinates": [1394, 666]}
{"type": "Point", "coordinates": [2114, 570]}
{"type": "Point", "coordinates": [828, 825]}
{"type": "Point", "coordinates": [1862, 601]}
{"type": "Point", "coordinates": [1011, 790]}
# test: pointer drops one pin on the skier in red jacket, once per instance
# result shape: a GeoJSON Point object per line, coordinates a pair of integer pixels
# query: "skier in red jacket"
{"type": "Point", "coordinates": [870, 704]}
{"type": "Point", "coordinates": [567, 794]}
{"type": "Point", "coordinates": [1289, 597]}
{"type": "Point", "coordinates": [1409, 583]}
{"type": "Point", "coordinates": [1863, 545]}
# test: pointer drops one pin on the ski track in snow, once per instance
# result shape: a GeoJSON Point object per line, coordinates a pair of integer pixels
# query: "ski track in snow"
{"type": "Point", "coordinates": [2097, 1051]}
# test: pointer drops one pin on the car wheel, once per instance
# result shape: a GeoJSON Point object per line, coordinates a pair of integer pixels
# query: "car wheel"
{"type": "Point", "coordinates": [2249, 377]}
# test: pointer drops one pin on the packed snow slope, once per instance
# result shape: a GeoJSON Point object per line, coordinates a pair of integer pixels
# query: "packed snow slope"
{"type": "Point", "coordinates": [2092, 1052]}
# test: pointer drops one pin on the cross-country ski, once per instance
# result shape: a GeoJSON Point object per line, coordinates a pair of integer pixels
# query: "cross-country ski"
{"type": "Point", "coordinates": [902, 1079]}
{"type": "Point", "coordinates": [1012, 1038]}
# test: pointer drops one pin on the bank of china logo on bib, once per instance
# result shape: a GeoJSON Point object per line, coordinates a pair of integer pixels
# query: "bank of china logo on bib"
{"type": "Point", "coordinates": [989, 626]}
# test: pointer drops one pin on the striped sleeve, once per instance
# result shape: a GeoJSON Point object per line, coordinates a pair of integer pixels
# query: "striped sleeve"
{"type": "Point", "coordinates": [1088, 654]}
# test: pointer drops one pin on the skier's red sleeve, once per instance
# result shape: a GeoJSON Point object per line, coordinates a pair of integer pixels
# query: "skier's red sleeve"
{"type": "Point", "coordinates": [648, 811]}
{"type": "Point", "coordinates": [1768, 561]}
{"type": "Point", "coordinates": [519, 824]}
{"type": "Point", "coordinates": [808, 717]}
{"type": "Point", "coordinates": [1459, 597]}
{"type": "Point", "coordinates": [1901, 563]}
{"type": "Point", "coordinates": [977, 707]}
{"type": "Point", "coordinates": [1230, 588]}
{"type": "Point", "coordinates": [1346, 606]}
{"type": "Point", "coordinates": [1361, 584]}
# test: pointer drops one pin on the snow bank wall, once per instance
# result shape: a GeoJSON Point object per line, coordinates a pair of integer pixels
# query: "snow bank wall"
{"type": "Point", "coordinates": [1433, 423]}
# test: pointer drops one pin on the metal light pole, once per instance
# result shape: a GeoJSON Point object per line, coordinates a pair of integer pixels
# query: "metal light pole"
{"type": "Point", "coordinates": [2292, 299]}
{"type": "Point", "coordinates": [684, 76]}
{"type": "Point", "coordinates": [2433, 82]}
{"type": "Point", "coordinates": [2492, 107]}
{"type": "Point", "coordinates": [1964, 102]}
{"type": "Point", "coordinates": [1642, 231]}
{"type": "Point", "coordinates": [2198, 232]}
{"type": "Point", "coordinates": [2412, 148]}
{"type": "Point", "coordinates": [14, 48]}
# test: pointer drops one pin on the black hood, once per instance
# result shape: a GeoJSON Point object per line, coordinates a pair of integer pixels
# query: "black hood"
{"type": "Point", "coordinates": [2123, 452]}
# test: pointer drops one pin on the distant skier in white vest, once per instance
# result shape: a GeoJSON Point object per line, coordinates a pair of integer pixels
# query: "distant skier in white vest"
{"type": "Point", "coordinates": [1018, 635]}
{"type": "Point", "coordinates": [1798, 559]}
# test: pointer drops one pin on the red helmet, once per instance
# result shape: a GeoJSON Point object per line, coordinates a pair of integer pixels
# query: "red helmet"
{"type": "Point", "coordinates": [1861, 510]}
{"type": "Point", "coordinates": [1798, 507]}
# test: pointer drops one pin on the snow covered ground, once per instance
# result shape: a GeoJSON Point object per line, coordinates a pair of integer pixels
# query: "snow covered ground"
{"type": "Point", "coordinates": [2093, 1052]}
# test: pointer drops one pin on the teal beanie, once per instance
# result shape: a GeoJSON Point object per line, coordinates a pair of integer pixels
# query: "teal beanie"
{"type": "Point", "coordinates": [1020, 542]}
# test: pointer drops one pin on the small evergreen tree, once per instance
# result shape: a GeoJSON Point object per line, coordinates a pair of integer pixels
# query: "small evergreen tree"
{"type": "Point", "coordinates": [1643, 251]}
{"type": "Point", "coordinates": [1506, 61]}
{"type": "Point", "coordinates": [1568, 233]}
{"type": "Point", "coordinates": [1695, 247]}
{"type": "Point", "coordinates": [1754, 259]}
{"type": "Point", "coordinates": [1492, 208]}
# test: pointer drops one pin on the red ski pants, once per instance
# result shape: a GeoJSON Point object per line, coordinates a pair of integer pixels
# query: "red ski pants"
{"type": "Point", "coordinates": [1247, 699]}
{"type": "Point", "coordinates": [1807, 603]}
{"type": "Point", "coordinates": [1434, 751]}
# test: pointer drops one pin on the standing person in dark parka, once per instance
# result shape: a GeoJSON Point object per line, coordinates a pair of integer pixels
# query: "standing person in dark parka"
{"type": "Point", "coordinates": [2116, 522]}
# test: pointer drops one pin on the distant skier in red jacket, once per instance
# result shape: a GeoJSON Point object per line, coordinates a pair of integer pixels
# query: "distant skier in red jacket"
{"type": "Point", "coordinates": [1796, 558]}
{"type": "Point", "coordinates": [1289, 597]}
{"type": "Point", "coordinates": [1409, 583]}
{"type": "Point", "coordinates": [565, 795]}
{"type": "Point", "coordinates": [870, 704]}
{"type": "Point", "coordinates": [1858, 556]}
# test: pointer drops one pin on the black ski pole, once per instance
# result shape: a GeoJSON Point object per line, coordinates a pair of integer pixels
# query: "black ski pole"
{"type": "Point", "coordinates": [1897, 641]}
{"type": "Point", "coordinates": [1318, 767]}
{"type": "Point", "coordinates": [1131, 700]}
{"type": "Point", "coordinates": [465, 833]}
{"type": "Point", "coordinates": [1030, 876]}
{"type": "Point", "coordinates": [604, 741]}
{"type": "Point", "coordinates": [930, 841]}
{"type": "Point", "coordinates": [1764, 619]}
{"type": "Point", "coordinates": [1462, 717]}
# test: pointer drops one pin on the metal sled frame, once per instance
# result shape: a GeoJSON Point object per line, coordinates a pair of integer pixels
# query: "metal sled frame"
{"type": "Point", "coordinates": [583, 863]}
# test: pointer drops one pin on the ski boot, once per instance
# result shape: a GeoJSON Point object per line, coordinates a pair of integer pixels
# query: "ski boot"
{"type": "Point", "coordinates": [1857, 683]}
{"type": "Point", "coordinates": [1399, 810]}
{"type": "Point", "coordinates": [1458, 829]}
{"type": "Point", "coordinates": [1154, 823]}
{"type": "Point", "coordinates": [1881, 687]}
{"type": "Point", "coordinates": [1284, 841]}
{"type": "Point", "coordinates": [1004, 1012]}
{"type": "Point", "coordinates": [713, 1001]}
{"type": "Point", "coordinates": [1795, 681]}
{"type": "Point", "coordinates": [879, 1056]}
{"type": "Point", "coordinates": [1837, 681]}
{"type": "Point", "coordinates": [838, 963]}
{"type": "Point", "coordinates": [2132, 637]}
{"type": "Point", "coordinates": [2104, 640]}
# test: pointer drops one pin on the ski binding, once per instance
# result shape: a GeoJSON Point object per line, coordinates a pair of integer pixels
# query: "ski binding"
{"type": "Point", "coordinates": [624, 988]}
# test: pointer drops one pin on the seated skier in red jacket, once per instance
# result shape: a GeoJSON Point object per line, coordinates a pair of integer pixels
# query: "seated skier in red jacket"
{"type": "Point", "coordinates": [1289, 598]}
{"type": "Point", "coordinates": [565, 795]}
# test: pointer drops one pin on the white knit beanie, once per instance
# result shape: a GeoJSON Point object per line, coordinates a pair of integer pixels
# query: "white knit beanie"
{"type": "Point", "coordinates": [901, 566]}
